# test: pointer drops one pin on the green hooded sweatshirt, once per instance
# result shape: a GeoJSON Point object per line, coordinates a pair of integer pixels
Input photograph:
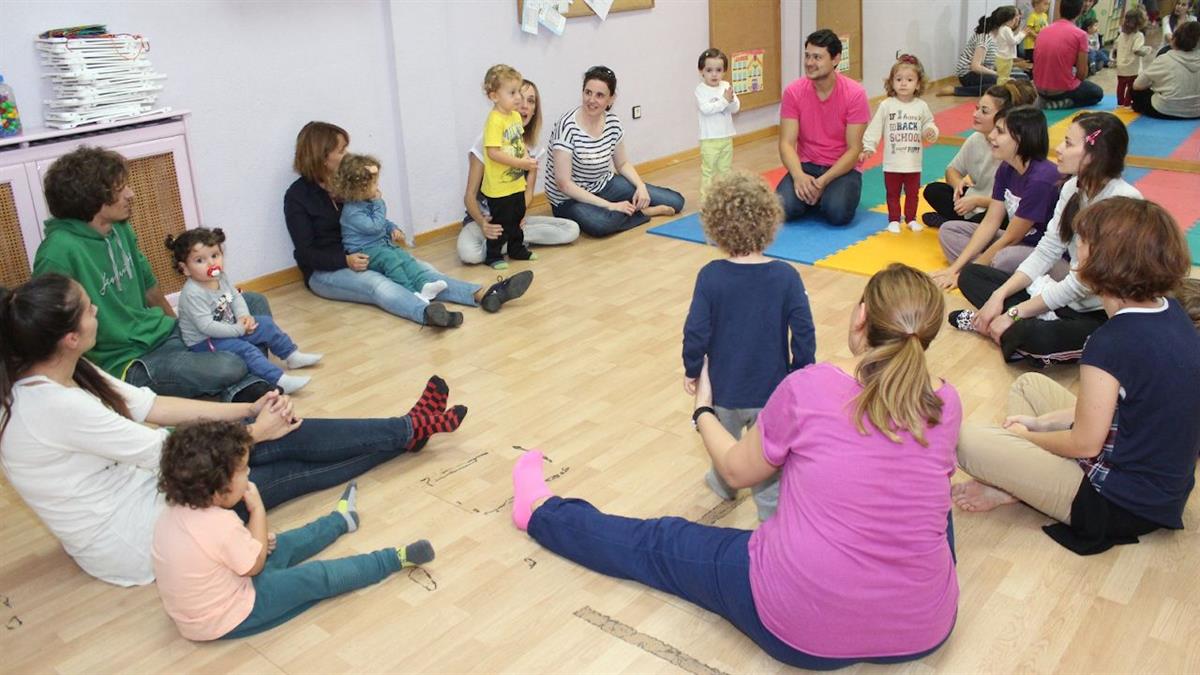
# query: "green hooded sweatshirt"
{"type": "Point", "coordinates": [116, 276]}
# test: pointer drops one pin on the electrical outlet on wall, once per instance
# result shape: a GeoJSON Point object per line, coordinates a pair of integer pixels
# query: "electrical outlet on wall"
{"type": "Point", "coordinates": [637, 112]}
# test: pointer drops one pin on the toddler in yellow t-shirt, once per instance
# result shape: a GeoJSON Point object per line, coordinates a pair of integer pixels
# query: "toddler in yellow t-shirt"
{"type": "Point", "coordinates": [505, 163]}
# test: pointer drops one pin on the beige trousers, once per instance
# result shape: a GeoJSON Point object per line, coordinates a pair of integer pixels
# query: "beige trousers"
{"type": "Point", "coordinates": [1002, 459]}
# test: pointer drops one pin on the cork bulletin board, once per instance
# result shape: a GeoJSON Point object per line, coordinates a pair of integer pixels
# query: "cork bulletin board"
{"type": "Point", "coordinates": [748, 31]}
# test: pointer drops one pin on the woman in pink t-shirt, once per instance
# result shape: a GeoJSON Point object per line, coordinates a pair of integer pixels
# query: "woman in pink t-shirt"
{"type": "Point", "coordinates": [857, 564]}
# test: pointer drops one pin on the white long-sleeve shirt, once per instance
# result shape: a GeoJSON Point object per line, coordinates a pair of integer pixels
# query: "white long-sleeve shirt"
{"type": "Point", "coordinates": [1007, 41]}
{"type": "Point", "coordinates": [716, 114]}
{"type": "Point", "coordinates": [93, 480]}
{"type": "Point", "coordinates": [902, 125]}
{"type": "Point", "coordinates": [1070, 292]}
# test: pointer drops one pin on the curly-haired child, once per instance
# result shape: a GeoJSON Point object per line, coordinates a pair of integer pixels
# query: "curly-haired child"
{"type": "Point", "coordinates": [905, 121]}
{"type": "Point", "coordinates": [220, 578]}
{"type": "Point", "coordinates": [1131, 47]}
{"type": "Point", "coordinates": [505, 163]}
{"type": "Point", "coordinates": [743, 309]}
{"type": "Point", "coordinates": [366, 228]}
{"type": "Point", "coordinates": [213, 316]}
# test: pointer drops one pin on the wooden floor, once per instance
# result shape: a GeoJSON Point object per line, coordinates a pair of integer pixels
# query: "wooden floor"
{"type": "Point", "coordinates": [587, 368]}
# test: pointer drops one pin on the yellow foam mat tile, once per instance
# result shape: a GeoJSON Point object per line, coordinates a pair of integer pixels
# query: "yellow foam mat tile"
{"type": "Point", "coordinates": [1058, 130]}
{"type": "Point", "coordinates": [918, 249]}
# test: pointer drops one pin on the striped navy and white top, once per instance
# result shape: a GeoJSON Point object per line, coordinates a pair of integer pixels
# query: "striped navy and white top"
{"type": "Point", "coordinates": [591, 158]}
{"type": "Point", "coordinates": [989, 52]}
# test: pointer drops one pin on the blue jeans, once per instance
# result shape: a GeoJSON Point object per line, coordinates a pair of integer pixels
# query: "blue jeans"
{"type": "Point", "coordinates": [373, 288]}
{"type": "Point", "coordinates": [287, 585]}
{"type": "Point", "coordinates": [600, 222]}
{"type": "Point", "coordinates": [249, 348]}
{"type": "Point", "coordinates": [707, 566]}
{"type": "Point", "coordinates": [323, 453]}
{"type": "Point", "coordinates": [1086, 94]}
{"type": "Point", "coordinates": [838, 202]}
{"type": "Point", "coordinates": [171, 369]}
{"type": "Point", "coordinates": [1097, 59]}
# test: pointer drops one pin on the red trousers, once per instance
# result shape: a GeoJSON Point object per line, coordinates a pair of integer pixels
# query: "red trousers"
{"type": "Point", "coordinates": [911, 182]}
{"type": "Point", "coordinates": [1125, 89]}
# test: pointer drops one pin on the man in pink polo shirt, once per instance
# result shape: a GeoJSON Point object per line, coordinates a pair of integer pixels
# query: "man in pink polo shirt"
{"type": "Point", "coordinates": [821, 122]}
{"type": "Point", "coordinates": [1062, 62]}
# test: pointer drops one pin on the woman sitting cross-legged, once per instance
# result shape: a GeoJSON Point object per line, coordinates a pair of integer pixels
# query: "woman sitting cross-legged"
{"type": "Point", "coordinates": [74, 446]}
{"type": "Point", "coordinates": [1118, 461]}
{"type": "Point", "coordinates": [857, 563]}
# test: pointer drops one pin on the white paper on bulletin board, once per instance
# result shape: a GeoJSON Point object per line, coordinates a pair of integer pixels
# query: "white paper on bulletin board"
{"type": "Point", "coordinates": [844, 64]}
{"type": "Point", "coordinates": [746, 71]}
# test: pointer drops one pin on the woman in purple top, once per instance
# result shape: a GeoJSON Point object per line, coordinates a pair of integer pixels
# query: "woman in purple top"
{"type": "Point", "coordinates": [1025, 190]}
{"type": "Point", "coordinates": [857, 563]}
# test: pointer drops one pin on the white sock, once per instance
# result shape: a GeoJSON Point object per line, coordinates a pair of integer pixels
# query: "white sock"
{"type": "Point", "coordinates": [299, 359]}
{"type": "Point", "coordinates": [292, 383]}
{"type": "Point", "coordinates": [424, 300]}
{"type": "Point", "coordinates": [430, 290]}
{"type": "Point", "coordinates": [894, 227]}
{"type": "Point", "coordinates": [915, 226]}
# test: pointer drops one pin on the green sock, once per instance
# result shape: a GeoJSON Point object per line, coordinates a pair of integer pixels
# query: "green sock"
{"type": "Point", "coordinates": [347, 507]}
{"type": "Point", "coordinates": [417, 553]}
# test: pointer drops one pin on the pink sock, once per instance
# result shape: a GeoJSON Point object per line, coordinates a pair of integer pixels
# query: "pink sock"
{"type": "Point", "coordinates": [529, 485]}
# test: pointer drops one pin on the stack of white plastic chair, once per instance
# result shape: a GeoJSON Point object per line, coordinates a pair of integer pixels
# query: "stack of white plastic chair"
{"type": "Point", "coordinates": [98, 79]}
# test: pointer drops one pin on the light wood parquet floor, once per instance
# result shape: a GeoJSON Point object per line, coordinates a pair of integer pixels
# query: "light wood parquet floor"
{"type": "Point", "coordinates": [587, 368]}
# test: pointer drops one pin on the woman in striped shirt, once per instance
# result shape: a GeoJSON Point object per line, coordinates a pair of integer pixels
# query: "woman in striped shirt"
{"type": "Point", "coordinates": [586, 144]}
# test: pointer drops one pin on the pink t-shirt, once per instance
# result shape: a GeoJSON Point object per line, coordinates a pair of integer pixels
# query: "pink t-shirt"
{"type": "Point", "coordinates": [822, 136]}
{"type": "Point", "coordinates": [855, 563]}
{"type": "Point", "coordinates": [1057, 47]}
{"type": "Point", "coordinates": [199, 557]}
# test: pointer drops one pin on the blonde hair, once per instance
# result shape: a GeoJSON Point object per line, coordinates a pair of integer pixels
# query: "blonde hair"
{"type": "Point", "coordinates": [1188, 295]}
{"type": "Point", "coordinates": [740, 213]}
{"type": "Point", "coordinates": [903, 314]}
{"type": "Point", "coordinates": [497, 75]}
{"type": "Point", "coordinates": [313, 144]}
{"type": "Point", "coordinates": [906, 61]}
{"type": "Point", "coordinates": [355, 178]}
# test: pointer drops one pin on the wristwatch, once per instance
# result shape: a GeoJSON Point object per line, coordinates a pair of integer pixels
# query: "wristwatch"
{"type": "Point", "coordinates": [1013, 314]}
{"type": "Point", "coordinates": [700, 411]}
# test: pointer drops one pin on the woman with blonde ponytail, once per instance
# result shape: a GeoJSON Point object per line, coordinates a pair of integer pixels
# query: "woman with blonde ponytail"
{"type": "Point", "coordinates": [857, 563]}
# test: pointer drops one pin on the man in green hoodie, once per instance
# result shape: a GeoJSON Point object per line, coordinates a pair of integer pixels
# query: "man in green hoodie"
{"type": "Point", "coordinates": [90, 240]}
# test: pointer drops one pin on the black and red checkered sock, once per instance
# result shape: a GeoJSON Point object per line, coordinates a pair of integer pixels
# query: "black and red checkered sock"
{"type": "Point", "coordinates": [433, 399]}
{"type": "Point", "coordinates": [426, 424]}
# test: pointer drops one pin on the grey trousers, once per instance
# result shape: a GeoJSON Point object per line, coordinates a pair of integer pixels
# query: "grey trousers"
{"type": "Point", "coordinates": [766, 493]}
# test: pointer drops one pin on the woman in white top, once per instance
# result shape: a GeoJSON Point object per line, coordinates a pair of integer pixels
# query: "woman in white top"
{"type": "Point", "coordinates": [540, 230]}
{"type": "Point", "coordinates": [1030, 314]}
{"type": "Point", "coordinates": [74, 445]}
{"type": "Point", "coordinates": [586, 144]}
{"type": "Point", "coordinates": [1180, 14]}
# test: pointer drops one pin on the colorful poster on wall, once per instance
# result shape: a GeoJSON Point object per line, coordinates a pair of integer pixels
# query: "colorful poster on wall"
{"type": "Point", "coordinates": [844, 64]}
{"type": "Point", "coordinates": [746, 70]}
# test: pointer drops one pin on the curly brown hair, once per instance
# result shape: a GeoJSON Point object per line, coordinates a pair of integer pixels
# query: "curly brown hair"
{"type": "Point", "coordinates": [83, 180]}
{"type": "Point", "coordinates": [181, 246]}
{"type": "Point", "coordinates": [1136, 251]}
{"type": "Point", "coordinates": [912, 63]}
{"type": "Point", "coordinates": [740, 213]}
{"type": "Point", "coordinates": [199, 460]}
{"type": "Point", "coordinates": [355, 178]}
{"type": "Point", "coordinates": [497, 75]}
{"type": "Point", "coordinates": [1188, 295]}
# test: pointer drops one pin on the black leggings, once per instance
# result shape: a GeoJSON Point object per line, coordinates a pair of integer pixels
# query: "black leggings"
{"type": "Point", "coordinates": [941, 197]}
{"type": "Point", "coordinates": [1043, 342]}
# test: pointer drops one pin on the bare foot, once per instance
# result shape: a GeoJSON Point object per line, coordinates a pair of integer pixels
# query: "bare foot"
{"type": "Point", "coordinates": [975, 496]}
{"type": "Point", "coordinates": [660, 210]}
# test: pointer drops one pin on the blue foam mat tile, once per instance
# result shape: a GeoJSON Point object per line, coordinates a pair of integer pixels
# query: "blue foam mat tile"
{"type": "Point", "coordinates": [805, 240]}
{"type": "Point", "coordinates": [1158, 138]}
{"type": "Point", "coordinates": [1133, 174]}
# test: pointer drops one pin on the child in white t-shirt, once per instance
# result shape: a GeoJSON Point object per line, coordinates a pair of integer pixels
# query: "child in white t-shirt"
{"type": "Point", "coordinates": [1006, 44]}
{"type": "Point", "coordinates": [906, 122]}
{"type": "Point", "coordinates": [717, 103]}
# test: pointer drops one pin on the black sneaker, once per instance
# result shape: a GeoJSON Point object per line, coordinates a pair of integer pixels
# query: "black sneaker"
{"type": "Point", "coordinates": [505, 290]}
{"type": "Point", "coordinates": [933, 219]}
{"type": "Point", "coordinates": [436, 314]}
{"type": "Point", "coordinates": [961, 319]}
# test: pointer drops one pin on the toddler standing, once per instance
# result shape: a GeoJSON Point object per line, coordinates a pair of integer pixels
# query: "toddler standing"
{"type": "Point", "coordinates": [1131, 47]}
{"type": "Point", "coordinates": [1006, 43]}
{"type": "Point", "coordinates": [741, 313]}
{"type": "Point", "coordinates": [213, 315]}
{"type": "Point", "coordinates": [219, 578]}
{"type": "Point", "coordinates": [505, 162]}
{"type": "Point", "coordinates": [1038, 19]}
{"type": "Point", "coordinates": [905, 121]}
{"type": "Point", "coordinates": [717, 104]}
{"type": "Point", "coordinates": [366, 228]}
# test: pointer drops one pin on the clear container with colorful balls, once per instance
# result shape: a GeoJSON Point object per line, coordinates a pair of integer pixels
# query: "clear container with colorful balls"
{"type": "Point", "coordinates": [10, 117]}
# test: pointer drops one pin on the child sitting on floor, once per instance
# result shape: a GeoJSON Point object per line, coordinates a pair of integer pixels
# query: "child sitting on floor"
{"type": "Point", "coordinates": [213, 315]}
{"type": "Point", "coordinates": [219, 578]}
{"type": "Point", "coordinates": [366, 228]}
{"type": "Point", "coordinates": [742, 311]}
{"type": "Point", "coordinates": [906, 122]}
